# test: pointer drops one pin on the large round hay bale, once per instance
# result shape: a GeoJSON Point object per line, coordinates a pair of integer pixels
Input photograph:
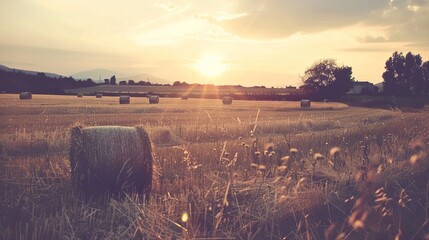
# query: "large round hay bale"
{"type": "Point", "coordinates": [305, 103]}
{"type": "Point", "coordinates": [153, 99]}
{"type": "Point", "coordinates": [79, 95]}
{"type": "Point", "coordinates": [227, 100]}
{"type": "Point", "coordinates": [124, 99]}
{"type": "Point", "coordinates": [98, 95]}
{"type": "Point", "coordinates": [111, 160]}
{"type": "Point", "coordinates": [25, 96]}
{"type": "Point", "coordinates": [184, 97]}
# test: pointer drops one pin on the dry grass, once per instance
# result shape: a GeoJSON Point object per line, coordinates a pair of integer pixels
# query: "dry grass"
{"type": "Point", "coordinates": [245, 171]}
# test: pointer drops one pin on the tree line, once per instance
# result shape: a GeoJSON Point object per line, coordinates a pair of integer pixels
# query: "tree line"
{"type": "Point", "coordinates": [18, 81]}
{"type": "Point", "coordinates": [112, 81]}
{"type": "Point", "coordinates": [404, 75]}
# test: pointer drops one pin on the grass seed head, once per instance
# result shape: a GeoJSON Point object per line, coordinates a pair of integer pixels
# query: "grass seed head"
{"type": "Point", "coordinates": [334, 151]}
{"type": "Point", "coordinates": [285, 159]}
{"type": "Point", "coordinates": [318, 156]}
{"type": "Point", "coordinates": [185, 217]}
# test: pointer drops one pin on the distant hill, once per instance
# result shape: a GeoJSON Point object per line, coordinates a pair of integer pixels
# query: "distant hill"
{"type": "Point", "coordinates": [97, 75]}
{"type": "Point", "coordinates": [145, 77]}
{"type": "Point", "coordinates": [7, 69]}
{"type": "Point", "coordinates": [18, 80]}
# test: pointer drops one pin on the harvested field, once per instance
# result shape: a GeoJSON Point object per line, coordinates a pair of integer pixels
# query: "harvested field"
{"type": "Point", "coordinates": [250, 170]}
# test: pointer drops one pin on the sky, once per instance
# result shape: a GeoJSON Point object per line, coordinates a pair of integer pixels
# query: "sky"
{"type": "Point", "coordinates": [264, 42]}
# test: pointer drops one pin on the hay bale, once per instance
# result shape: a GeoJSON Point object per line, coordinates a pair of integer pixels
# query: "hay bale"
{"type": "Point", "coordinates": [153, 99]}
{"type": "Point", "coordinates": [25, 96]}
{"type": "Point", "coordinates": [79, 95]}
{"type": "Point", "coordinates": [98, 95]}
{"type": "Point", "coordinates": [305, 103]}
{"type": "Point", "coordinates": [111, 160]}
{"type": "Point", "coordinates": [124, 99]}
{"type": "Point", "coordinates": [227, 100]}
{"type": "Point", "coordinates": [184, 97]}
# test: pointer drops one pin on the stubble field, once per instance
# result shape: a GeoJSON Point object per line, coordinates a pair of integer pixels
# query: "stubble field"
{"type": "Point", "coordinates": [250, 170]}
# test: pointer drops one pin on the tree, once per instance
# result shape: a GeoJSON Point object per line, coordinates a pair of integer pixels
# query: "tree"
{"type": "Point", "coordinates": [123, 82]}
{"type": "Point", "coordinates": [89, 82]}
{"type": "Point", "coordinates": [327, 79]}
{"type": "Point", "coordinates": [106, 81]}
{"type": "Point", "coordinates": [113, 80]}
{"type": "Point", "coordinates": [131, 82]}
{"type": "Point", "coordinates": [342, 83]}
{"type": "Point", "coordinates": [425, 74]}
{"type": "Point", "coordinates": [404, 75]}
{"type": "Point", "coordinates": [415, 73]}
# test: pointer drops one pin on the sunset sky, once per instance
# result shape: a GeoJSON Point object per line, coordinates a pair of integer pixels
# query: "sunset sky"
{"type": "Point", "coordinates": [264, 42]}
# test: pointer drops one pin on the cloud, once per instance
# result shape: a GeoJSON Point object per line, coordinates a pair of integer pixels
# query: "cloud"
{"type": "Point", "coordinates": [401, 20]}
{"type": "Point", "coordinates": [373, 39]}
{"type": "Point", "coordinates": [420, 45]}
{"type": "Point", "coordinates": [282, 18]}
{"type": "Point", "coordinates": [20, 56]}
{"type": "Point", "coordinates": [405, 21]}
{"type": "Point", "coordinates": [369, 49]}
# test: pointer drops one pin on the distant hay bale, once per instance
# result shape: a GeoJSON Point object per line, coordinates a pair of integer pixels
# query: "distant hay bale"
{"type": "Point", "coordinates": [153, 99]}
{"type": "Point", "coordinates": [111, 160]}
{"type": "Point", "coordinates": [227, 100]}
{"type": "Point", "coordinates": [25, 96]}
{"type": "Point", "coordinates": [80, 95]}
{"type": "Point", "coordinates": [124, 99]}
{"type": "Point", "coordinates": [184, 97]}
{"type": "Point", "coordinates": [305, 103]}
{"type": "Point", "coordinates": [98, 95]}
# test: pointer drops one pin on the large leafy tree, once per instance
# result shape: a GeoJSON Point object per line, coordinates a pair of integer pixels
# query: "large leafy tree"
{"type": "Point", "coordinates": [404, 75]}
{"type": "Point", "coordinates": [425, 73]}
{"type": "Point", "coordinates": [327, 79]}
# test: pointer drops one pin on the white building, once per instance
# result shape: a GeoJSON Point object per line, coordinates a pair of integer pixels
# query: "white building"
{"type": "Point", "coordinates": [362, 88]}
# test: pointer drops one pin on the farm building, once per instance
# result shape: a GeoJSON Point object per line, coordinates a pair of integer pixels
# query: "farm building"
{"type": "Point", "coordinates": [362, 88]}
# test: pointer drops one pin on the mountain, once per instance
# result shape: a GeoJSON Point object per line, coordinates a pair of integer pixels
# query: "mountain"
{"type": "Point", "coordinates": [145, 77]}
{"type": "Point", "coordinates": [97, 75]}
{"type": "Point", "coordinates": [7, 69]}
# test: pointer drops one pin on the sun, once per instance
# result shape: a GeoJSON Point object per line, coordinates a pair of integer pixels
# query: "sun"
{"type": "Point", "coordinates": [211, 66]}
